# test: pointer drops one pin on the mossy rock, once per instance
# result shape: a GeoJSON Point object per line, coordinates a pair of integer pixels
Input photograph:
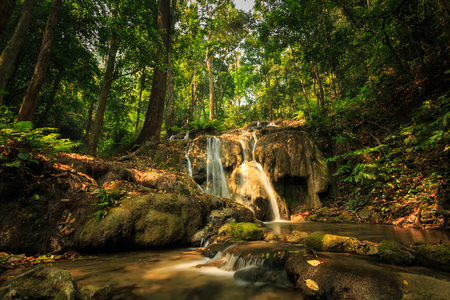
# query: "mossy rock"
{"type": "Point", "coordinates": [436, 256]}
{"type": "Point", "coordinates": [334, 220]}
{"type": "Point", "coordinates": [245, 231]}
{"type": "Point", "coordinates": [395, 253]}
{"type": "Point", "coordinates": [296, 237]}
{"type": "Point", "coordinates": [331, 243]}
{"type": "Point", "coordinates": [312, 217]}
{"type": "Point", "coordinates": [41, 283]}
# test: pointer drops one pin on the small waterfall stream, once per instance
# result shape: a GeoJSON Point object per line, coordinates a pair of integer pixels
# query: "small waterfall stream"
{"type": "Point", "coordinates": [216, 183]}
{"type": "Point", "coordinates": [246, 173]}
{"type": "Point", "coordinates": [249, 182]}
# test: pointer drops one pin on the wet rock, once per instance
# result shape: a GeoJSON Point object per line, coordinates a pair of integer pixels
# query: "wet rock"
{"type": "Point", "coordinates": [41, 283]}
{"type": "Point", "coordinates": [393, 252]}
{"type": "Point", "coordinates": [271, 237]}
{"type": "Point", "coordinates": [250, 274]}
{"type": "Point", "coordinates": [335, 243]}
{"type": "Point", "coordinates": [436, 256]}
{"type": "Point", "coordinates": [294, 162]}
{"type": "Point", "coordinates": [342, 279]}
{"type": "Point", "coordinates": [296, 237]}
{"type": "Point", "coordinates": [279, 278]}
{"type": "Point", "coordinates": [332, 243]}
{"type": "Point", "coordinates": [149, 220]}
{"type": "Point", "coordinates": [245, 231]}
{"type": "Point", "coordinates": [97, 293]}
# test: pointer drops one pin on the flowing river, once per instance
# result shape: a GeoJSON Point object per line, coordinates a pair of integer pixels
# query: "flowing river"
{"type": "Point", "coordinates": [179, 274]}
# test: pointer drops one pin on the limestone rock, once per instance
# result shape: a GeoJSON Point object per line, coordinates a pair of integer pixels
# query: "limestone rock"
{"type": "Point", "coordinates": [295, 165]}
{"type": "Point", "coordinates": [149, 220]}
{"type": "Point", "coordinates": [41, 283]}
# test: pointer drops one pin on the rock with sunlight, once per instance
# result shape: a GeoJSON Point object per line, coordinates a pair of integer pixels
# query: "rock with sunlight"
{"type": "Point", "coordinates": [274, 170]}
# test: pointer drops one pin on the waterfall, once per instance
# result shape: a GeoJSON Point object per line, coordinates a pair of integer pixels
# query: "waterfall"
{"type": "Point", "coordinates": [189, 164]}
{"type": "Point", "coordinates": [244, 191]}
{"type": "Point", "coordinates": [186, 136]}
{"type": "Point", "coordinates": [216, 183]}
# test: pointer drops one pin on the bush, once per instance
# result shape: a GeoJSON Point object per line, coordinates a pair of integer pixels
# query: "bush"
{"type": "Point", "coordinates": [21, 144]}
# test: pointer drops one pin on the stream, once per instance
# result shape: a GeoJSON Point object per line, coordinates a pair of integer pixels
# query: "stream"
{"type": "Point", "coordinates": [178, 274]}
{"type": "Point", "coordinates": [168, 274]}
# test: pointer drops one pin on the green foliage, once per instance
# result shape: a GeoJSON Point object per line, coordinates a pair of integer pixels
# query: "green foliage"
{"type": "Point", "coordinates": [207, 125]}
{"type": "Point", "coordinates": [429, 128]}
{"type": "Point", "coordinates": [21, 144]}
{"type": "Point", "coordinates": [106, 199]}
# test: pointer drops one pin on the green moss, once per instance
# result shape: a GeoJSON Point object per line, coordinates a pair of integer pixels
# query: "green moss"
{"type": "Point", "coordinates": [436, 256]}
{"type": "Point", "coordinates": [314, 241]}
{"type": "Point", "coordinates": [332, 243]}
{"type": "Point", "coordinates": [334, 220]}
{"type": "Point", "coordinates": [312, 217]}
{"type": "Point", "coordinates": [246, 231]}
{"type": "Point", "coordinates": [394, 253]}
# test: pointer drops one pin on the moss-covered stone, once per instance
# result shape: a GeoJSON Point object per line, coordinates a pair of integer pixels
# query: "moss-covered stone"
{"type": "Point", "coordinates": [149, 220]}
{"type": "Point", "coordinates": [332, 243]}
{"type": "Point", "coordinates": [296, 237]}
{"type": "Point", "coordinates": [436, 256]}
{"type": "Point", "coordinates": [394, 253]}
{"type": "Point", "coordinates": [312, 217]}
{"type": "Point", "coordinates": [245, 231]}
{"type": "Point", "coordinates": [41, 283]}
{"type": "Point", "coordinates": [334, 220]}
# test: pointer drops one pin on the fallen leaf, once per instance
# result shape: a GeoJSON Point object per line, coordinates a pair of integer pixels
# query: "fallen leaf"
{"type": "Point", "coordinates": [65, 200]}
{"type": "Point", "coordinates": [405, 282]}
{"type": "Point", "coordinates": [313, 262]}
{"type": "Point", "coordinates": [312, 284]}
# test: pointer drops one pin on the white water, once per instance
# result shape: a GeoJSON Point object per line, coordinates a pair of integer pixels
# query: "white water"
{"type": "Point", "coordinates": [216, 183]}
{"type": "Point", "coordinates": [244, 191]}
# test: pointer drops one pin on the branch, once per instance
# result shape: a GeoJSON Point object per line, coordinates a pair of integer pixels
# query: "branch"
{"type": "Point", "coordinates": [126, 74]}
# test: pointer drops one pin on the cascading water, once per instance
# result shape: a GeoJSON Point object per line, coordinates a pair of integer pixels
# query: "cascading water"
{"type": "Point", "coordinates": [248, 170]}
{"type": "Point", "coordinates": [216, 183]}
{"type": "Point", "coordinates": [189, 164]}
{"type": "Point", "coordinates": [250, 178]}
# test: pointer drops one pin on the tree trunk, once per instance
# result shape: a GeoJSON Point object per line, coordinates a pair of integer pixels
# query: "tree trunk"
{"type": "Point", "coordinates": [170, 77]}
{"type": "Point", "coordinates": [210, 78]}
{"type": "Point", "coordinates": [34, 87]}
{"type": "Point", "coordinates": [92, 141]}
{"type": "Point", "coordinates": [321, 95]}
{"type": "Point", "coordinates": [11, 51]}
{"type": "Point", "coordinates": [151, 131]}
{"type": "Point", "coordinates": [141, 89]}
{"type": "Point", "coordinates": [89, 121]}
{"type": "Point", "coordinates": [6, 9]}
{"type": "Point", "coordinates": [51, 100]}
{"type": "Point", "coordinates": [193, 95]}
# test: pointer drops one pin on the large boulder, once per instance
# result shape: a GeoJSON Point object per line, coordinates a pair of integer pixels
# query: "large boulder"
{"type": "Point", "coordinates": [295, 165]}
{"type": "Point", "coordinates": [154, 220]}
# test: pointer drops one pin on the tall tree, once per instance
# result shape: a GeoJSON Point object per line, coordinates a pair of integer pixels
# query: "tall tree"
{"type": "Point", "coordinates": [10, 53]}
{"type": "Point", "coordinates": [209, 55]}
{"type": "Point", "coordinates": [92, 140]}
{"type": "Point", "coordinates": [6, 8]}
{"type": "Point", "coordinates": [170, 77]}
{"type": "Point", "coordinates": [151, 130]}
{"type": "Point", "coordinates": [29, 101]}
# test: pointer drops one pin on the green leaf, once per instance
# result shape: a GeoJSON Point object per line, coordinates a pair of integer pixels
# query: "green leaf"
{"type": "Point", "coordinates": [23, 156]}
